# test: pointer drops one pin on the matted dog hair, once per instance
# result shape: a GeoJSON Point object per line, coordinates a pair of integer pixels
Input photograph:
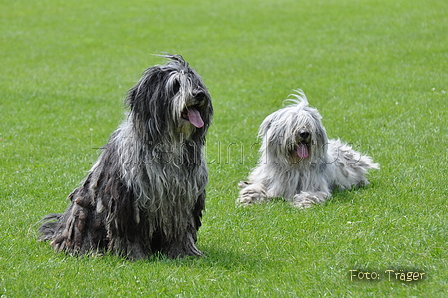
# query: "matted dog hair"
{"type": "Point", "coordinates": [298, 162]}
{"type": "Point", "coordinates": [146, 192]}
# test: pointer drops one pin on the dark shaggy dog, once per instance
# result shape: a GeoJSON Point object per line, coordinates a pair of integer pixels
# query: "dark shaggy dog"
{"type": "Point", "coordinates": [146, 192]}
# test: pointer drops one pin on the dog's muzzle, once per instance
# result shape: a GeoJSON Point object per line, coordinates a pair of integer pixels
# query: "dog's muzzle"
{"type": "Point", "coordinates": [192, 113]}
{"type": "Point", "coordinates": [303, 143]}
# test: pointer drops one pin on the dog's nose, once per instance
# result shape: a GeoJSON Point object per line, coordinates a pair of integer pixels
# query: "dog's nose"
{"type": "Point", "coordinates": [304, 134]}
{"type": "Point", "coordinates": [200, 96]}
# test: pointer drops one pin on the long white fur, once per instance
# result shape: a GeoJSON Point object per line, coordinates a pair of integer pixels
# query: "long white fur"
{"type": "Point", "coordinates": [282, 173]}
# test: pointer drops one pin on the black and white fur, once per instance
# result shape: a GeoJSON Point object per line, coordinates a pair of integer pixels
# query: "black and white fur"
{"type": "Point", "coordinates": [146, 192]}
{"type": "Point", "coordinates": [298, 162]}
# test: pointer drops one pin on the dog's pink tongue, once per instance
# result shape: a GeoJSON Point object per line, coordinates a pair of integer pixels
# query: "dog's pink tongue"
{"type": "Point", "coordinates": [302, 151]}
{"type": "Point", "coordinates": [195, 117]}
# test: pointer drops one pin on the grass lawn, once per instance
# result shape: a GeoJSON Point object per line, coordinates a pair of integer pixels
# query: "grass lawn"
{"type": "Point", "coordinates": [377, 70]}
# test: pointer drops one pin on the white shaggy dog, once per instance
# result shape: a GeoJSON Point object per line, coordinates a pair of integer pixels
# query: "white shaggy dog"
{"type": "Point", "coordinates": [299, 163]}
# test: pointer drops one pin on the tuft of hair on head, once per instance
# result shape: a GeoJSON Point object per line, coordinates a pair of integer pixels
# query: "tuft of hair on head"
{"type": "Point", "coordinates": [299, 99]}
{"type": "Point", "coordinates": [175, 58]}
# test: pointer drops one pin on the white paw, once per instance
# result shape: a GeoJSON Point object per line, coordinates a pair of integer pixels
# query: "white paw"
{"type": "Point", "coordinates": [301, 201]}
{"type": "Point", "coordinates": [307, 199]}
{"type": "Point", "coordinates": [250, 195]}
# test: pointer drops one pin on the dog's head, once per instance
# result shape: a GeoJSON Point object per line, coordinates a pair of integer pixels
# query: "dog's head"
{"type": "Point", "coordinates": [295, 133]}
{"type": "Point", "coordinates": [170, 100]}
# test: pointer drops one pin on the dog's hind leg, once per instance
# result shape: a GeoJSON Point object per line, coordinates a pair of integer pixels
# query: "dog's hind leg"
{"type": "Point", "coordinates": [49, 226]}
{"type": "Point", "coordinates": [348, 168]}
{"type": "Point", "coordinates": [69, 230]}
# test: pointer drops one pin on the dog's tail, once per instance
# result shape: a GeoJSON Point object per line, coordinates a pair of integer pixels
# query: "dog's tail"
{"type": "Point", "coordinates": [48, 227]}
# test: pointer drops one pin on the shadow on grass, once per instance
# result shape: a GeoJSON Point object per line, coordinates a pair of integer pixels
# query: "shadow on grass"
{"type": "Point", "coordinates": [344, 196]}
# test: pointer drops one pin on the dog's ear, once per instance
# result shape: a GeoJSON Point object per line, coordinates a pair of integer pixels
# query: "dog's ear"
{"type": "Point", "coordinates": [265, 125]}
{"type": "Point", "coordinates": [145, 101]}
{"type": "Point", "coordinates": [149, 85]}
{"type": "Point", "coordinates": [136, 95]}
{"type": "Point", "coordinates": [131, 94]}
{"type": "Point", "coordinates": [150, 92]}
{"type": "Point", "coordinates": [319, 137]}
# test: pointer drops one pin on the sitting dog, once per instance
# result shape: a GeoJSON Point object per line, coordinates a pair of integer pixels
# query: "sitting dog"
{"type": "Point", "coordinates": [146, 192]}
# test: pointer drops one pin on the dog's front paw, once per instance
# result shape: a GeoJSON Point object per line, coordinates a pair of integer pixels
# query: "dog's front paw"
{"type": "Point", "coordinates": [307, 199]}
{"type": "Point", "coordinates": [302, 201]}
{"type": "Point", "coordinates": [251, 195]}
{"type": "Point", "coordinates": [184, 248]}
{"type": "Point", "coordinates": [243, 184]}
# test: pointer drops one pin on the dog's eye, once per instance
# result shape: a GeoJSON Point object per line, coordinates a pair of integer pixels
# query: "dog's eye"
{"type": "Point", "coordinates": [176, 86]}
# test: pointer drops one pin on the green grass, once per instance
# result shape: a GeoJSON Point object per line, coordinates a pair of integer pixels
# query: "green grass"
{"type": "Point", "coordinates": [376, 70]}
